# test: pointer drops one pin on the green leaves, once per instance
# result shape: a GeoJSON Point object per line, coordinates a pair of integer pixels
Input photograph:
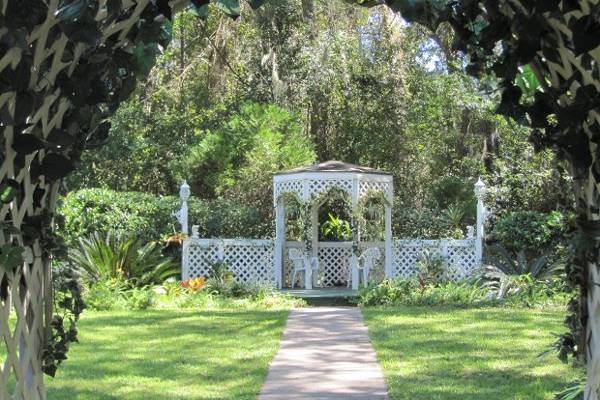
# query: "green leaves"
{"type": "Point", "coordinates": [229, 7]}
{"type": "Point", "coordinates": [527, 81]}
{"type": "Point", "coordinates": [11, 257]}
{"type": "Point", "coordinates": [56, 166]}
{"type": "Point", "coordinates": [71, 10]}
{"type": "Point", "coordinates": [26, 143]}
{"type": "Point", "coordinates": [8, 190]}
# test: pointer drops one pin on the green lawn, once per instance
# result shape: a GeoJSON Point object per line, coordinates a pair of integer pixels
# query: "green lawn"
{"type": "Point", "coordinates": [460, 354]}
{"type": "Point", "coordinates": [170, 355]}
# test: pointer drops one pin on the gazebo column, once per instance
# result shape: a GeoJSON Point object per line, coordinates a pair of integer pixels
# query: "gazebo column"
{"type": "Point", "coordinates": [279, 242]}
{"type": "Point", "coordinates": [353, 262]}
{"type": "Point", "coordinates": [388, 231]}
{"type": "Point", "coordinates": [314, 241]}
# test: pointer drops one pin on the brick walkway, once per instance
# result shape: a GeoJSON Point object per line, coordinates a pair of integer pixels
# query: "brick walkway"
{"type": "Point", "coordinates": [325, 354]}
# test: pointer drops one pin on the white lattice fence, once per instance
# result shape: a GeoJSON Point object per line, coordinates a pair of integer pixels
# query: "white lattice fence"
{"type": "Point", "coordinates": [250, 260]}
{"type": "Point", "coordinates": [459, 256]}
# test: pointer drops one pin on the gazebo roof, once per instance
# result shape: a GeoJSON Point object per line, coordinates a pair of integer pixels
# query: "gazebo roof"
{"type": "Point", "coordinates": [334, 166]}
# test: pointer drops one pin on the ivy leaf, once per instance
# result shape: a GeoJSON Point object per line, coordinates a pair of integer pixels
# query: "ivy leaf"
{"type": "Point", "coordinates": [56, 166]}
{"type": "Point", "coordinates": [99, 135]}
{"type": "Point", "coordinates": [21, 13]}
{"type": "Point", "coordinates": [527, 80]}
{"type": "Point", "coordinates": [8, 191]}
{"type": "Point", "coordinates": [26, 143]}
{"type": "Point", "coordinates": [200, 11]}
{"type": "Point", "coordinates": [113, 8]}
{"type": "Point", "coordinates": [164, 8]}
{"type": "Point", "coordinates": [229, 7]}
{"type": "Point", "coordinates": [256, 3]}
{"type": "Point", "coordinates": [49, 369]}
{"type": "Point", "coordinates": [73, 10]}
{"type": "Point", "coordinates": [11, 257]}
{"type": "Point", "coordinates": [585, 34]}
{"type": "Point", "coordinates": [144, 56]}
{"type": "Point", "coordinates": [60, 138]}
{"type": "Point", "coordinates": [26, 102]}
{"type": "Point", "coordinates": [4, 288]}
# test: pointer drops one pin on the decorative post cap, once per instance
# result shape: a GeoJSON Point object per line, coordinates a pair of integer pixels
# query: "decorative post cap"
{"type": "Point", "coordinates": [184, 191]}
{"type": "Point", "coordinates": [479, 188]}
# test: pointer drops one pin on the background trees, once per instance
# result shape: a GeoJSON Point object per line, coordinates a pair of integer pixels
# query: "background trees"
{"type": "Point", "coordinates": [233, 101]}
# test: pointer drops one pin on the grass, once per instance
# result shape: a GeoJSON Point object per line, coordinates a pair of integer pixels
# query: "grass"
{"type": "Point", "coordinates": [168, 354]}
{"type": "Point", "coordinates": [462, 354]}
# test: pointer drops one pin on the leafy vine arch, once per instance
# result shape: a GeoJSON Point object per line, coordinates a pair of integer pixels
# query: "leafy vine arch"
{"type": "Point", "coordinates": [66, 65]}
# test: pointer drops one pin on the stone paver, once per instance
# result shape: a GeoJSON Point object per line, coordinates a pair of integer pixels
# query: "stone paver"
{"type": "Point", "coordinates": [325, 354]}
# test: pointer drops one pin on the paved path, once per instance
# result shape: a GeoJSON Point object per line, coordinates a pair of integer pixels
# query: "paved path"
{"type": "Point", "coordinates": [325, 354]}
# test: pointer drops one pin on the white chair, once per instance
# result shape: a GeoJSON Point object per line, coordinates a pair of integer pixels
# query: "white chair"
{"type": "Point", "coordinates": [302, 263]}
{"type": "Point", "coordinates": [365, 262]}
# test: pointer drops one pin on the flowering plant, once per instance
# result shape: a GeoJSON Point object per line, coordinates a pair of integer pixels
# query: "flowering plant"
{"type": "Point", "coordinates": [194, 283]}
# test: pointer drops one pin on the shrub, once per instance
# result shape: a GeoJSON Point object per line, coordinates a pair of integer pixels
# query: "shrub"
{"type": "Point", "coordinates": [149, 217]}
{"type": "Point", "coordinates": [523, 291]}
{"type": "Point", "coordinates": [411, 292]}
{"type": "Point", "coordinates": [121, 257]}
{"type": "Point", "coordinates": [529, 231]}
{"type": "Point", "coordinates": [231, 294]}
{"type": "Point", "coordinates": [106, 294]}
{"type": "Point", "coordinates": [431, 268]}
{"type": "Point", "coordinates": [421, 223]}
{"type": "Point", "coordinates": [518, 264]}
{"type": "Point", "coordinates": [117, 294]}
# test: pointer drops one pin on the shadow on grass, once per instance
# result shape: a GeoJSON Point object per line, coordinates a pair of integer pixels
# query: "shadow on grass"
{"type": "Point", "coordinates": [170, 354]}
{"type": "Point", "coordinates": [460, 354]}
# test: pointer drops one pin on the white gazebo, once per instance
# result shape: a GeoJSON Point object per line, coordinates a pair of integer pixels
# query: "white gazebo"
{"type": "Point", "coordinates": [311, 186]}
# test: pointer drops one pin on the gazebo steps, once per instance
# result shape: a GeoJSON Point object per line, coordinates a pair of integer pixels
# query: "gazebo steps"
{"type": "Point", "coordinates": [322, 293]}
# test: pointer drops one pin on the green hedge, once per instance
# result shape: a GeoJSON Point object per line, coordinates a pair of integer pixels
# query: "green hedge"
{"type": "Point", "coordinates": [150, 217]}
{"type": "Point", "coordinates": [531, 231]}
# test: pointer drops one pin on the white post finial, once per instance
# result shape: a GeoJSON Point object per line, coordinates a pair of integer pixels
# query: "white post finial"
{"type": "Point", "coordinates": [481, 214]}
{"type": "Point", "coordinates": [182, 214]}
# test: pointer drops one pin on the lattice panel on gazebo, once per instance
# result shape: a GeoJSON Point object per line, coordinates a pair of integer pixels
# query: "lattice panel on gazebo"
{"type": "Point", "coordinates": [292, 186]}
{"type": "Point", "coordinates": [365, 187]}
{"type": "Point", "coordinates": [318, 186]}
{"type": "Point", "coordinates": [249, 260]}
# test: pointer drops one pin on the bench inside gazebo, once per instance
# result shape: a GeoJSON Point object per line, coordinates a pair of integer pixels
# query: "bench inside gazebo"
{"type": "Point", "coordinates": [308, 266]}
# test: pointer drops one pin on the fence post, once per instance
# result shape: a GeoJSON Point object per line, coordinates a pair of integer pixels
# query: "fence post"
{"type": "Point", "coordinates": [182, 214]}
{"type": "Point", "coordinates": [481, 215]}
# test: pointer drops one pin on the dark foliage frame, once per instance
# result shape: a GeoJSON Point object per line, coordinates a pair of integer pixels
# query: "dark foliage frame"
{"type": "Point", "coordinates": [66, 65]}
